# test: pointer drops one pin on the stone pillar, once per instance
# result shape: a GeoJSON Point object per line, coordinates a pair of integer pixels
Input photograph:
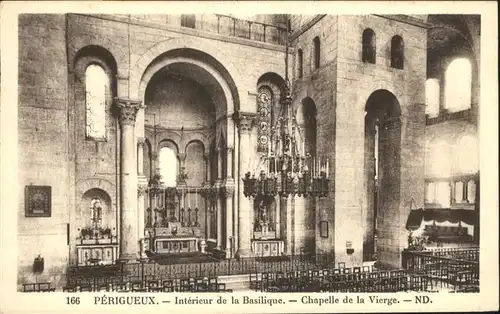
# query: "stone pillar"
{"type": "Point", "coordinates": [129, 242]}
{"type": "Point", "coordinates": [208, 175]}
{"type": "Point", "coordinates": [142, 186]}
{"type": "Point", "coordinates": [452, 192]}
{"type": "Point", "coordinates": [245, 204]}
{"type": "Point", "coordinates": [277, 219]}
{"type": "Point", "coordinates": [218, 186]}
{"type": "Point", "coordinates": [141, 191]}
{"type": "Point", "coordinates": [219, 216]}
{"type": "Point", "coordinates": [140, 156]}
{"type": "Point", "coordinates": [465, 193]}
{"type": "Point", "coordinates": [228, 194]}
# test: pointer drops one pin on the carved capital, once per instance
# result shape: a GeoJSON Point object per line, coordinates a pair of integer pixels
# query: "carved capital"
{"type": "Point", "coordinates": [128, 109]}
{"type": "Point", "coordinates": [244, 121]}
{"type": "Point", "coordinates": [228, 191]}
{"type": "Point", "coordinates": [141, 188]}
{"type": "Point", "coordinates": [141, 141]}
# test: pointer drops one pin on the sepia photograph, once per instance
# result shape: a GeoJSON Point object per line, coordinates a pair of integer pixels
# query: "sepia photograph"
{"type": "Point", "coordinates": [315, 155]}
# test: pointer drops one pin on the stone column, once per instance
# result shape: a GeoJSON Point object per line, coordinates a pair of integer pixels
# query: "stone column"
{"type": "Point", "coordinates": [129, 242]}
{"type": "Point", "coordinates": [277, 219]}
{"type": "Point", "coordinates": [141, 191]}
{"type": "Point", "coordinates": [142, 186]}
{"type": "Point", "coordinates": [452, 193]}
{"type": "Point", "coordinates": [465, 193]}
{"type": "Point", "coordinates": [245, 205]}
{"type": "Point", "coordinates": [228, 193]}
{"type": "Point", "coordinates": [218, 187]}
{"type": "Point", "coordinates": [206, 157]}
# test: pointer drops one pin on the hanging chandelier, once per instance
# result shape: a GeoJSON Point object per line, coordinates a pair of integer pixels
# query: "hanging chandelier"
{"type": "Point", "coordinates": [286, 169]}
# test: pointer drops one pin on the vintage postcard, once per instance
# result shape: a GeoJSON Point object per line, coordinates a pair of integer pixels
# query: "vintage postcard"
{"type": "Point", "coordinates": [249, 157]}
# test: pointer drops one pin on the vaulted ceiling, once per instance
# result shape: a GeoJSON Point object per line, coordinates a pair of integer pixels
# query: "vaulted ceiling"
{"type": "Point", "coordinates": [451, 36]}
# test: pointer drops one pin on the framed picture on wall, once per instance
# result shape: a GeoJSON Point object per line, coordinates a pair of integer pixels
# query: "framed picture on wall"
{"type": "Point", "coordinates": [323, 229]}
{"type": "Point", "coordinates": [37, 201]}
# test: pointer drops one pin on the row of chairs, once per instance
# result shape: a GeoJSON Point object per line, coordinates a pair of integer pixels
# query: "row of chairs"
{"type": "Point", "coordinates": [170, 285]}
{"type": "Point", "coordinates": [446, 273]}
{"type": "Point", "coordinates": [257, 278]}
{"type": "Point", "coordinates": [333, 280]}
{"type": "Point", "coordinates": [38, 287]}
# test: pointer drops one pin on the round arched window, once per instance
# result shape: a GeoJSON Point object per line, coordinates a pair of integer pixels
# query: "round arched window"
{"type": "Point", "coordinates": [168, 166]}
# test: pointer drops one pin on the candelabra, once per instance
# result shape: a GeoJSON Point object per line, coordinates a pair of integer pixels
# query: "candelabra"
{"type": "Point", "coordinates": [286, 169]}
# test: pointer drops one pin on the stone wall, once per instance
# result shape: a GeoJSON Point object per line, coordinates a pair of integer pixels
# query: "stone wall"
{"type": "Point", "coordinates": [356, 81]}
{"type": "Point", "coordinates": [53, 53]}
{"type": "Point", "coordinates": [319, 87]}
{"type": "Point", "coordinates": [43, 143]}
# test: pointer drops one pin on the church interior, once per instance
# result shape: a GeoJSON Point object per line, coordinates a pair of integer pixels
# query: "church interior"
{"type": "Point", "coordinates": [212, 152]}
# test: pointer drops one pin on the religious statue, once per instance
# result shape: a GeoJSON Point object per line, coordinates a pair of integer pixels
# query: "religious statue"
{"type": "Point", "coordinates": [96, 211]}
{"type": "Point", "coordinates": [416, 243]}
{"type": "Point", "coordinates": [264, 221]}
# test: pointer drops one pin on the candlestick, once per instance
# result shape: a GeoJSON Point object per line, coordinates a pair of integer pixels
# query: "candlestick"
{"type": "Point", "coordinates": [319, 166]}
{"type": "Point", "coordinates": [327, 168]}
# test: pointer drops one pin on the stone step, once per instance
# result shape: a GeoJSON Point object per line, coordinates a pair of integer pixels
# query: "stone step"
{"type": "Point", "coordinates": [236, 282]}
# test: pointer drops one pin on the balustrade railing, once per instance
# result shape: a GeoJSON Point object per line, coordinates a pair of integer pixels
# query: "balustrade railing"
{"type": "Point", "coordinates": [144, 270]}
{"type": "Point", "coordinates": [225, 25]}
{"type": "Point", "coordinates": [252, 30]}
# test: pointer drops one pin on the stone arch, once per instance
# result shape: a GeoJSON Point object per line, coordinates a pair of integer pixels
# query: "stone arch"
{"type": "Point", "coordinates": [97, 193]}
{"type": "Point", "coordinates": [87, 189]}
{"type": "Point", "coordinates": [382, 168]}
{"type": "Point", "coordinates": [193, 141]}
{"type": "Point", "coordinates": [216, 55]}
{"type": "Point", "coordinates": [107, 186]}
{"type": "Point", "coordinates": [80, 43]}
{"type": "Point", "coordinates": [170, 143]}
{"type": "Point", "coordinates": [98, 52]}
{"type": "Point", "coordinates": [383, 101]}
{"type": "Point", "coordinates": [93, 55]}
{"type": "Point", "coordinates": [200, 137]}
{"type": "Point", "coordinates": [227, 100]}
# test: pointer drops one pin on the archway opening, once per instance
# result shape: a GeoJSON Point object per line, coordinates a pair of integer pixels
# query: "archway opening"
{"type": "Point", "coordinates": [382, 169]}
{"type": "Point", "coordinates": [183, 101]}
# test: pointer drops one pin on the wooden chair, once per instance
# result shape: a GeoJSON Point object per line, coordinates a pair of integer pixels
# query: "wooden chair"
{"type": "Point", "coordinates": [254, 281]}
{"type": "Point", "coordinates": [121, 287]}
{"type": "Point", "coordinates": [69, 288]}
{"type": "Point", "coordinates": [29, 287]}
{"type": "Point", "coordinates": [212, 280]}
{"type": "Point", "coordinates": [213, 287]}
{"type": "Point", "coordinates": [201, 287]}
{"type": "Point", "coordinates": [168, 289]}
{"type": "Point", "coordinates": [86, 288]}
{"type": "Point", "coordinates": [152, 284]}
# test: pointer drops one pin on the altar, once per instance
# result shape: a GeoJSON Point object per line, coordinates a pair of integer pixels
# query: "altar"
{"type": "Point", "coordinates": [173, 239]}
{"type": "Point", "coordinates": [175, 244]}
